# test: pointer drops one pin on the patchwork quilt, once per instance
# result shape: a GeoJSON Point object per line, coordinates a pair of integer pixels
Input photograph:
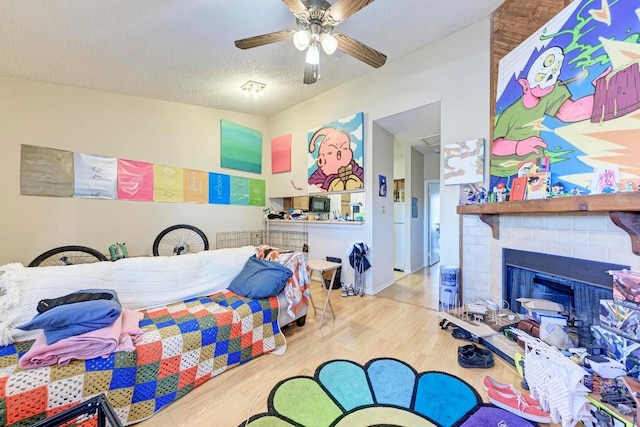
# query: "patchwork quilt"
{"type": "Point", "coordinates": [184, 345]}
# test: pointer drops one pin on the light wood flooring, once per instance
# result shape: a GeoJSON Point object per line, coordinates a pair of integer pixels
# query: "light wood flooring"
{"type": "Point", "coordinates": [399, 322]}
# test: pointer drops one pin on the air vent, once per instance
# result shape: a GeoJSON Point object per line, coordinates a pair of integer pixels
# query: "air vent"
{"type": "Point", "coordinates": [432, 140]}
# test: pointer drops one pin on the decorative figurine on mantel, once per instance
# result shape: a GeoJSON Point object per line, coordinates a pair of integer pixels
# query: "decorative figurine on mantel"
{"type": "Point", "coordinates": [500, 192]}
{"type": "Point", "coordinates": [472, 194]}
{"type": "Point", "coordinates": [482, 195]}
{"type": "Point", "coordinates": [557, 189]}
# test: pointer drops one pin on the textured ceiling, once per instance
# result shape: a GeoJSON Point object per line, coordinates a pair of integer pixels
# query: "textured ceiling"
{"type": "Point", "coordinates": [183, 51]}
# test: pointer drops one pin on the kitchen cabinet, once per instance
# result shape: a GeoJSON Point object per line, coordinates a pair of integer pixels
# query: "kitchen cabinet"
{"type": "Point", "coordinates": [301, 202]}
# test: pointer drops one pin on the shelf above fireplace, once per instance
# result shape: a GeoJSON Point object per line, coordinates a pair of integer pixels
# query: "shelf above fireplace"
{"type": "Point", "coordinates": [623, 209]}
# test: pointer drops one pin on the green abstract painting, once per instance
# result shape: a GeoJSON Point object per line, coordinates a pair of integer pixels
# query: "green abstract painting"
{"type": "Point", "coordinates": [256, 192]}
{"type": "Point", "coordinates": [240, 147]}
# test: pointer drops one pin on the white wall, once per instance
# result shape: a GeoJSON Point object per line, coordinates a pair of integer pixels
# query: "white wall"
{"type": "Point", "coordinates": [453, 70]}
{"type": "Point", "coordinates": [416, 225]}
{"type": "Point", "coordinates": [382, 207]}
{"type": "Point", "coordinates": [112, 125]}
{"type": "Point", "coordinates": [432, 166]}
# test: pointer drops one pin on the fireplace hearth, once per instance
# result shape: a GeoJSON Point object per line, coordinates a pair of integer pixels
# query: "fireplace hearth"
{"type": "Point", "coordinates": [577, 284]}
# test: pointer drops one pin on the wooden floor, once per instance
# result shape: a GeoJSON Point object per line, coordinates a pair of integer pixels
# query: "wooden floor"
{"type": "Point", "coordinates": [399, 322]}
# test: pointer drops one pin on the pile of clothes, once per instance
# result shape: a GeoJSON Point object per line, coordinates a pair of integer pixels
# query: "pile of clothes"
{"type": "Point", "coordinates": [82, 325]}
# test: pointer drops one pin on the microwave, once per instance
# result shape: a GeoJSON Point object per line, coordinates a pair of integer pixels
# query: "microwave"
{"type": "Point", "coordinates": [319, 204]}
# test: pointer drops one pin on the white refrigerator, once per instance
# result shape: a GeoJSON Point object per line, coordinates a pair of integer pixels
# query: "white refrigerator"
{"type": "Point", "coordinates": [398, 235]}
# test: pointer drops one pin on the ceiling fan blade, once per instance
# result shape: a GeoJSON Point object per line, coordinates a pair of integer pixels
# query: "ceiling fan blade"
{"type": "Point", "coordinates": [342, 9]}
{"type": "Point", "coordinates": [360, 51]}
{"type": "Point", "coordinates": [311, 73]}
{"type": "Point", "coordinates": [297, 8]}
{"type": "Point", "coordinates": [264, 39]}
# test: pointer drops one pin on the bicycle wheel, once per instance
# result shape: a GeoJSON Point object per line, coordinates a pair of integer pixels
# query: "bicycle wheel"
{"type": "Point", "coordinates": [179, 240]}
{"type": "Point", "coordinates": [67, 255]}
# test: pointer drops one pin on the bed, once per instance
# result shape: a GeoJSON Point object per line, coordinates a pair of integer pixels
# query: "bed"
{"type": "Point", "coordinates": [184, 343]}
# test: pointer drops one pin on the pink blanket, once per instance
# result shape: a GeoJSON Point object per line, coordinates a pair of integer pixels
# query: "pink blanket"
{"type": "Point", "coordinates": [99, 343]}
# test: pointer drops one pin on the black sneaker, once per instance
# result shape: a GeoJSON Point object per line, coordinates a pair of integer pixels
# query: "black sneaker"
{"type": "Point", "coordinates": [471, 356]}
{"type": "Point", "coordinates": [472, 348]}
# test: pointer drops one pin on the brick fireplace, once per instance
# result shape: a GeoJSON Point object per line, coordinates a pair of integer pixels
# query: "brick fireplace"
{"type": "Point", "coordinates": [582, 235]}
{"type": "Point", "coordinates": [577, 284]}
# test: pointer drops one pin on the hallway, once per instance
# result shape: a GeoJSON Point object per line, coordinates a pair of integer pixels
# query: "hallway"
{"type": "Point", "coordinates": [419, 288]}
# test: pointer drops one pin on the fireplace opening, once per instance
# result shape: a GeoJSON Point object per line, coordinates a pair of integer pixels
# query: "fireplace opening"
{"type": "Point", "coordinates": [577, 284]}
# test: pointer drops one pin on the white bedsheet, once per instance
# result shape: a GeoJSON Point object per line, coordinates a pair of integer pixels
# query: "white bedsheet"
{"type": "Point", "coordinates": [140, 282]}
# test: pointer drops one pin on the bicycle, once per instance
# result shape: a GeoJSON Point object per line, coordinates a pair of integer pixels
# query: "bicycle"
{"type": "Point", "coordinates": [67, 255]}
{"type": "Point", "coordinates": [178, 239]}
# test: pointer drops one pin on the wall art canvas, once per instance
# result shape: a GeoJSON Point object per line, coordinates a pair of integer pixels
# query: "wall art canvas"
{"type": "Point", "coordinates": [281, 154]}
{"type": "Point", "coordinates": [46, 172]}
{"type": "Point", "coordinates": [168, 184]}
{"type": "Point", "coordinates": [240, 147]}
{"type": "Point", "coordinates": [95, 177]}
{"type": "Point", "coordinates": [135, 180]}
{"type": "Point", "coordinates": [195, 185]}
{"type": "Point", "coordinates": [571, 92]}
{"type": "Point", "coordinates": [335, 155]}
{"type": "Point", "coordinates": [239, 190]}
{"type": "Point", "coordinates": [256, 192]}
{"type": "Point", "coordinates": [464, 162]}
{"type": "Point", "coordinates": [382, 186]}
{"type": "Point", "coordinates": [219, 189]}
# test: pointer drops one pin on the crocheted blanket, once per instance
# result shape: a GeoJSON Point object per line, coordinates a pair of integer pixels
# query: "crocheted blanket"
{"type": "Point", "coordinates": [297, 289]}
{"type": "Point", "coordinates": [184, 344]}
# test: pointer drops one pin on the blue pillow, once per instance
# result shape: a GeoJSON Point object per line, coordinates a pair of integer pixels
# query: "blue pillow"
{"type": "Point", "coordinates": [260, 279]}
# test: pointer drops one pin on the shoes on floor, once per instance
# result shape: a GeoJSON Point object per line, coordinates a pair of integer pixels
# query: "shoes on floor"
{"type": "Point", "coordinates": [461, 334]}
{"type": "Point", "coordinates": [348, 291]}
{"type": "Point", "coordinates": [516, 404]}
{"type": "Point", "coordinates": [472, 348]}
{"type": "Point", "coordinates": [489, 382]}
{"type": "Point", "coordinates": [472, 356]}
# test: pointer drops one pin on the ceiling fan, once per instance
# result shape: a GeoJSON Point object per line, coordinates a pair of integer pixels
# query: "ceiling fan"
{"type": "Point", "coordinates": [316, 20]}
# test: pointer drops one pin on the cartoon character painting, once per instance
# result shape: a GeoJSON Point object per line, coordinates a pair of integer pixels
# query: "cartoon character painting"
{"type": "Point", "coordinates": [569, 93]}
{"type": "Point", "coordinates": [518, 129]}
{"type": "Point", "coordinates": [336, 156]}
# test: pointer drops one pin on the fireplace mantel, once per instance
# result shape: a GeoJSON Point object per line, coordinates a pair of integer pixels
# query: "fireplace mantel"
{"type": "Point", "coordinates": [623, 209]}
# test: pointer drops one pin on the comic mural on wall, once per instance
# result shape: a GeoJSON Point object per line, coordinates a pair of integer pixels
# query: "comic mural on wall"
{"type": "Point", "coordinates": [335, 156]}
{"type": "Point", "coordinates": [567, 107]}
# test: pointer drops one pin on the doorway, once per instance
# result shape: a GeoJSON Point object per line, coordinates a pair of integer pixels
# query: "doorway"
{"type": "Point", "coordinates": [432, 225]}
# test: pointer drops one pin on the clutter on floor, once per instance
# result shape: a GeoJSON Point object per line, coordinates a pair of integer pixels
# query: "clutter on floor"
{"type": "Point", "coordinates": [596, 383]}
{"type": "Point", "coordinates": [472, 356]}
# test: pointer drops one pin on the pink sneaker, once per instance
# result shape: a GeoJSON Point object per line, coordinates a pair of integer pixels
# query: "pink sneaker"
{"type": "Point", "coordinates": [489, 382]}
{"type": "Point", "coordinates": [517, 405]}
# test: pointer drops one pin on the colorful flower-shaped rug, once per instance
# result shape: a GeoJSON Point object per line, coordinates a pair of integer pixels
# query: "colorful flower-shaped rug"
{"type": "Point", "coordinates": [383, 393]}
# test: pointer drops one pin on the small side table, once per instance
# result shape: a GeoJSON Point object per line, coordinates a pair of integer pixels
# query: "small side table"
{"type": "Point", "coordinates": [320, 266]}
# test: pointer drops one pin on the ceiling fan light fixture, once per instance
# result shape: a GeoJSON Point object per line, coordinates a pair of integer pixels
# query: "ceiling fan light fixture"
{"type": "Point", "coordinates": [329, 43]}
{"type": "Point", "coordinates": [301, 39]}
{"type": "Point", "coordinates": [313, 54]}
